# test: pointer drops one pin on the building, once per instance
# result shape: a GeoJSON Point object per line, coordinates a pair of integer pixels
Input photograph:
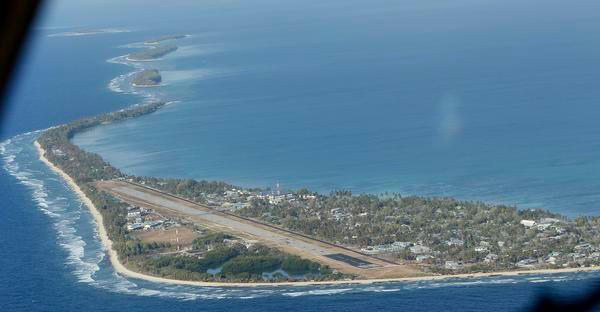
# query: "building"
{"type": "Point", "coordinates": [455, 242]}
{"type": "Point", "coordinates": [453, 265]}
{"type": "Point", "coordinates": [543, 226]}
{"type": "Point", "coordinates": [481, 249]}
{"type": "Point", "coordinates": [135, 226]}
{"type": "Point", "coordinates": [134, 214]}
{"type": "Point", "coordinates": [528, 223]}
{"type": "Point", "coordinates": [583, 247]}
{"type": "Point", "coordinates": [424, 258]}
{"type": "Point", "coordinates": [419, 249]}
{"type": "Point", "coordinates": [402, 244]}
{"type": "Point", "coordinates": [152, 224]}
{"type": "Point", "coordinates": [393, 247]}
{"type": "Point", "coordinates": [527, 263]}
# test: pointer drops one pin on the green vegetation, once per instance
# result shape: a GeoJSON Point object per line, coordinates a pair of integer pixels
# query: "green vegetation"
{"type": "Point", "coordinates": [86, 168]}
{"type": "Point", "coordinates": [212, 250]}
{"type": "Point", "coordinates": [152, 53]}
{"type": "Point", "coordinates": [219, 255]}
{"type": "Point", "coordinates": [236, 262]}
{"type": "Point", "coordinates": [209, 240]}
{"type": "Point", "coordinates": [477, 236]}
{"type": "Point", "coordinates": [199, 191]}
{"type": "Point", "coordinates": [82, 166]}
{"type": "Point", "coordinates": [442, 235]}
{"type": "Point", "coordinates": [297, 265]}
{"type": "Point", "coordinates": [130, 248]}
{"type": "Point", "coordinates": [164, 38]}
{"type": "Point", "coordinates": [251, 264]}
{"type": "Point", "coordinates": [147, 77]}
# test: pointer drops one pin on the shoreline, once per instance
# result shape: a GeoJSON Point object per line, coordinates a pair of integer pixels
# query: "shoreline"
{"type": "Point", "coordinates": [146, 86]}
{"type": "Point", "coordinates": [146, 60]}
{"type": "Point", "coordinates": [121, 269]}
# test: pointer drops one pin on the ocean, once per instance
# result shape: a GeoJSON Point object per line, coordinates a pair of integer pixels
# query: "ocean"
{"type": "Point", "coordinates": [490, 101]}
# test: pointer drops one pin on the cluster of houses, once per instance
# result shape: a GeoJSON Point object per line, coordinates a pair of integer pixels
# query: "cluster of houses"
{"type": "Point", "coordinates": [387, 248]}
{"type": "Point", "coordinates": [581, 254]}
{"type": "Point", "coordinates": [233, 199]}
{"type": "Point", "coordinates": [140, 218]}
{"type": "Point", "coordinates": [339, 214]}
{"type": "Point", "coordinates": [236, 199]}
{"type": "Point", "coordinates": [543, 224]}
{"type": "Point", "coordinates": [421, 252]}
{"type": "Point", "coordinates": [546, 228]}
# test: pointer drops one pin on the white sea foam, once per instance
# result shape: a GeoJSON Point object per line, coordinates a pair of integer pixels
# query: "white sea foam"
{"type": "Point", "coordinates": [76, 230]}
{"type": "Point", "coordinates": [86, 256]}
{"type": "Point", "coordinates": [20, 161]}
{"type": "Point", "coordinates": [77, 235]}
{"type": "Point", "coordinates": [123, 83]}
{"type": "Point", "coordinates": [89, 33]}
{"type": "Point", "coordinates": [317, 292]}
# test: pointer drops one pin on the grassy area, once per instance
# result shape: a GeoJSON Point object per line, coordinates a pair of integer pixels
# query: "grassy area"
{"type": "Point", "coordinates": [147, 77]}
{"type": "Point", "coordinates": [153, 53]}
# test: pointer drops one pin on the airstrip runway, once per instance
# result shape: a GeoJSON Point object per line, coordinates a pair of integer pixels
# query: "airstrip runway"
{"type": "Point", "coordinates": [338, 257]}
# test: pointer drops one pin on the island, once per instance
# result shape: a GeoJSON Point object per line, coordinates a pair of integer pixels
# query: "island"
{"type": "Point", "coordinates": [214, 233]}
{"type": "Point", "coordinates": [87, 32]}
{"type": "Point", "coordinates": [147, 78]}
{"type": "Point", "coordinates": [164, 38]}
{"type": "Point", "coordinates": [158, 242]}
{"type": "Point", "coordinates": [152, 53]}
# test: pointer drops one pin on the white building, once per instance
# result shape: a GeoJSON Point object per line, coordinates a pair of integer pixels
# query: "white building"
{"type": "Point", "coordinates": [455, 242]}
{"type": "Point", "coordinates": [134, 214]}
{"type": "Point", "coordinates": [481, 249]}
{"type": "Point", "coordinates": [528, 223]}
{"type": "Point", "coordinates": [134, 226]}
{"type": "Point", "coordinates": [419, 249]}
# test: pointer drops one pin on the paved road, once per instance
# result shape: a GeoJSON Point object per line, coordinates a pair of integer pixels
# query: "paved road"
{"type": "Point", "coordinates": [288, 241]}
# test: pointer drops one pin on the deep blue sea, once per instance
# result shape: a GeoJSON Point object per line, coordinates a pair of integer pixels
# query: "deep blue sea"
{"type": "Point", "coordinates": [487, 100]}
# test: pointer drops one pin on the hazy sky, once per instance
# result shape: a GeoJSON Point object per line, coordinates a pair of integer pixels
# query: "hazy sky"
{"type": "Point", "coordinates": [113, 13]}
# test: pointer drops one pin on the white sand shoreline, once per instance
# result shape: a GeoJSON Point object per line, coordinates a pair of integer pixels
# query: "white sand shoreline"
{"type": "Point", "coordinates": [146, 86]}
{"type": "Point", "coordinates": [146, 60]}
{"type": "Point", "coordinates": [121, 269]}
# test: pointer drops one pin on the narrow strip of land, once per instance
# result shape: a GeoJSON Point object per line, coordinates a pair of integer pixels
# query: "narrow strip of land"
{"type": "Point", "coordinates": [338, 257]}
{"type": "Point", "coordinates": [120, 268]}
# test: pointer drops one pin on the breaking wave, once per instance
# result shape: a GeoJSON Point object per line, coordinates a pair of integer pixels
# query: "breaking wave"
{"type": "Point", "coordinates": [20, 161]}
{"type": "Point", "coordinates": [76, 230]}
{"type": "Point", "coordinates": [89, 32]}
{"type": "Point", "coordinates": [77, 235]}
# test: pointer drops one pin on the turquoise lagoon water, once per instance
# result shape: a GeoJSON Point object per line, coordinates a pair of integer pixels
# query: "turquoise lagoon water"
{"type": "Point", "coordinates": [381, 97]}
{"type": "Point", "coordinates": [444, 98]}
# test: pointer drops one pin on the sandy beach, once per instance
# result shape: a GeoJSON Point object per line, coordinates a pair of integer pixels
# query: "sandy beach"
{"type": "Point", "coordinates": [146, 86]}
{"type": "Point", "coordinates": [148, 60]}
{"type": "Point", "coordinates": [121, 269]}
